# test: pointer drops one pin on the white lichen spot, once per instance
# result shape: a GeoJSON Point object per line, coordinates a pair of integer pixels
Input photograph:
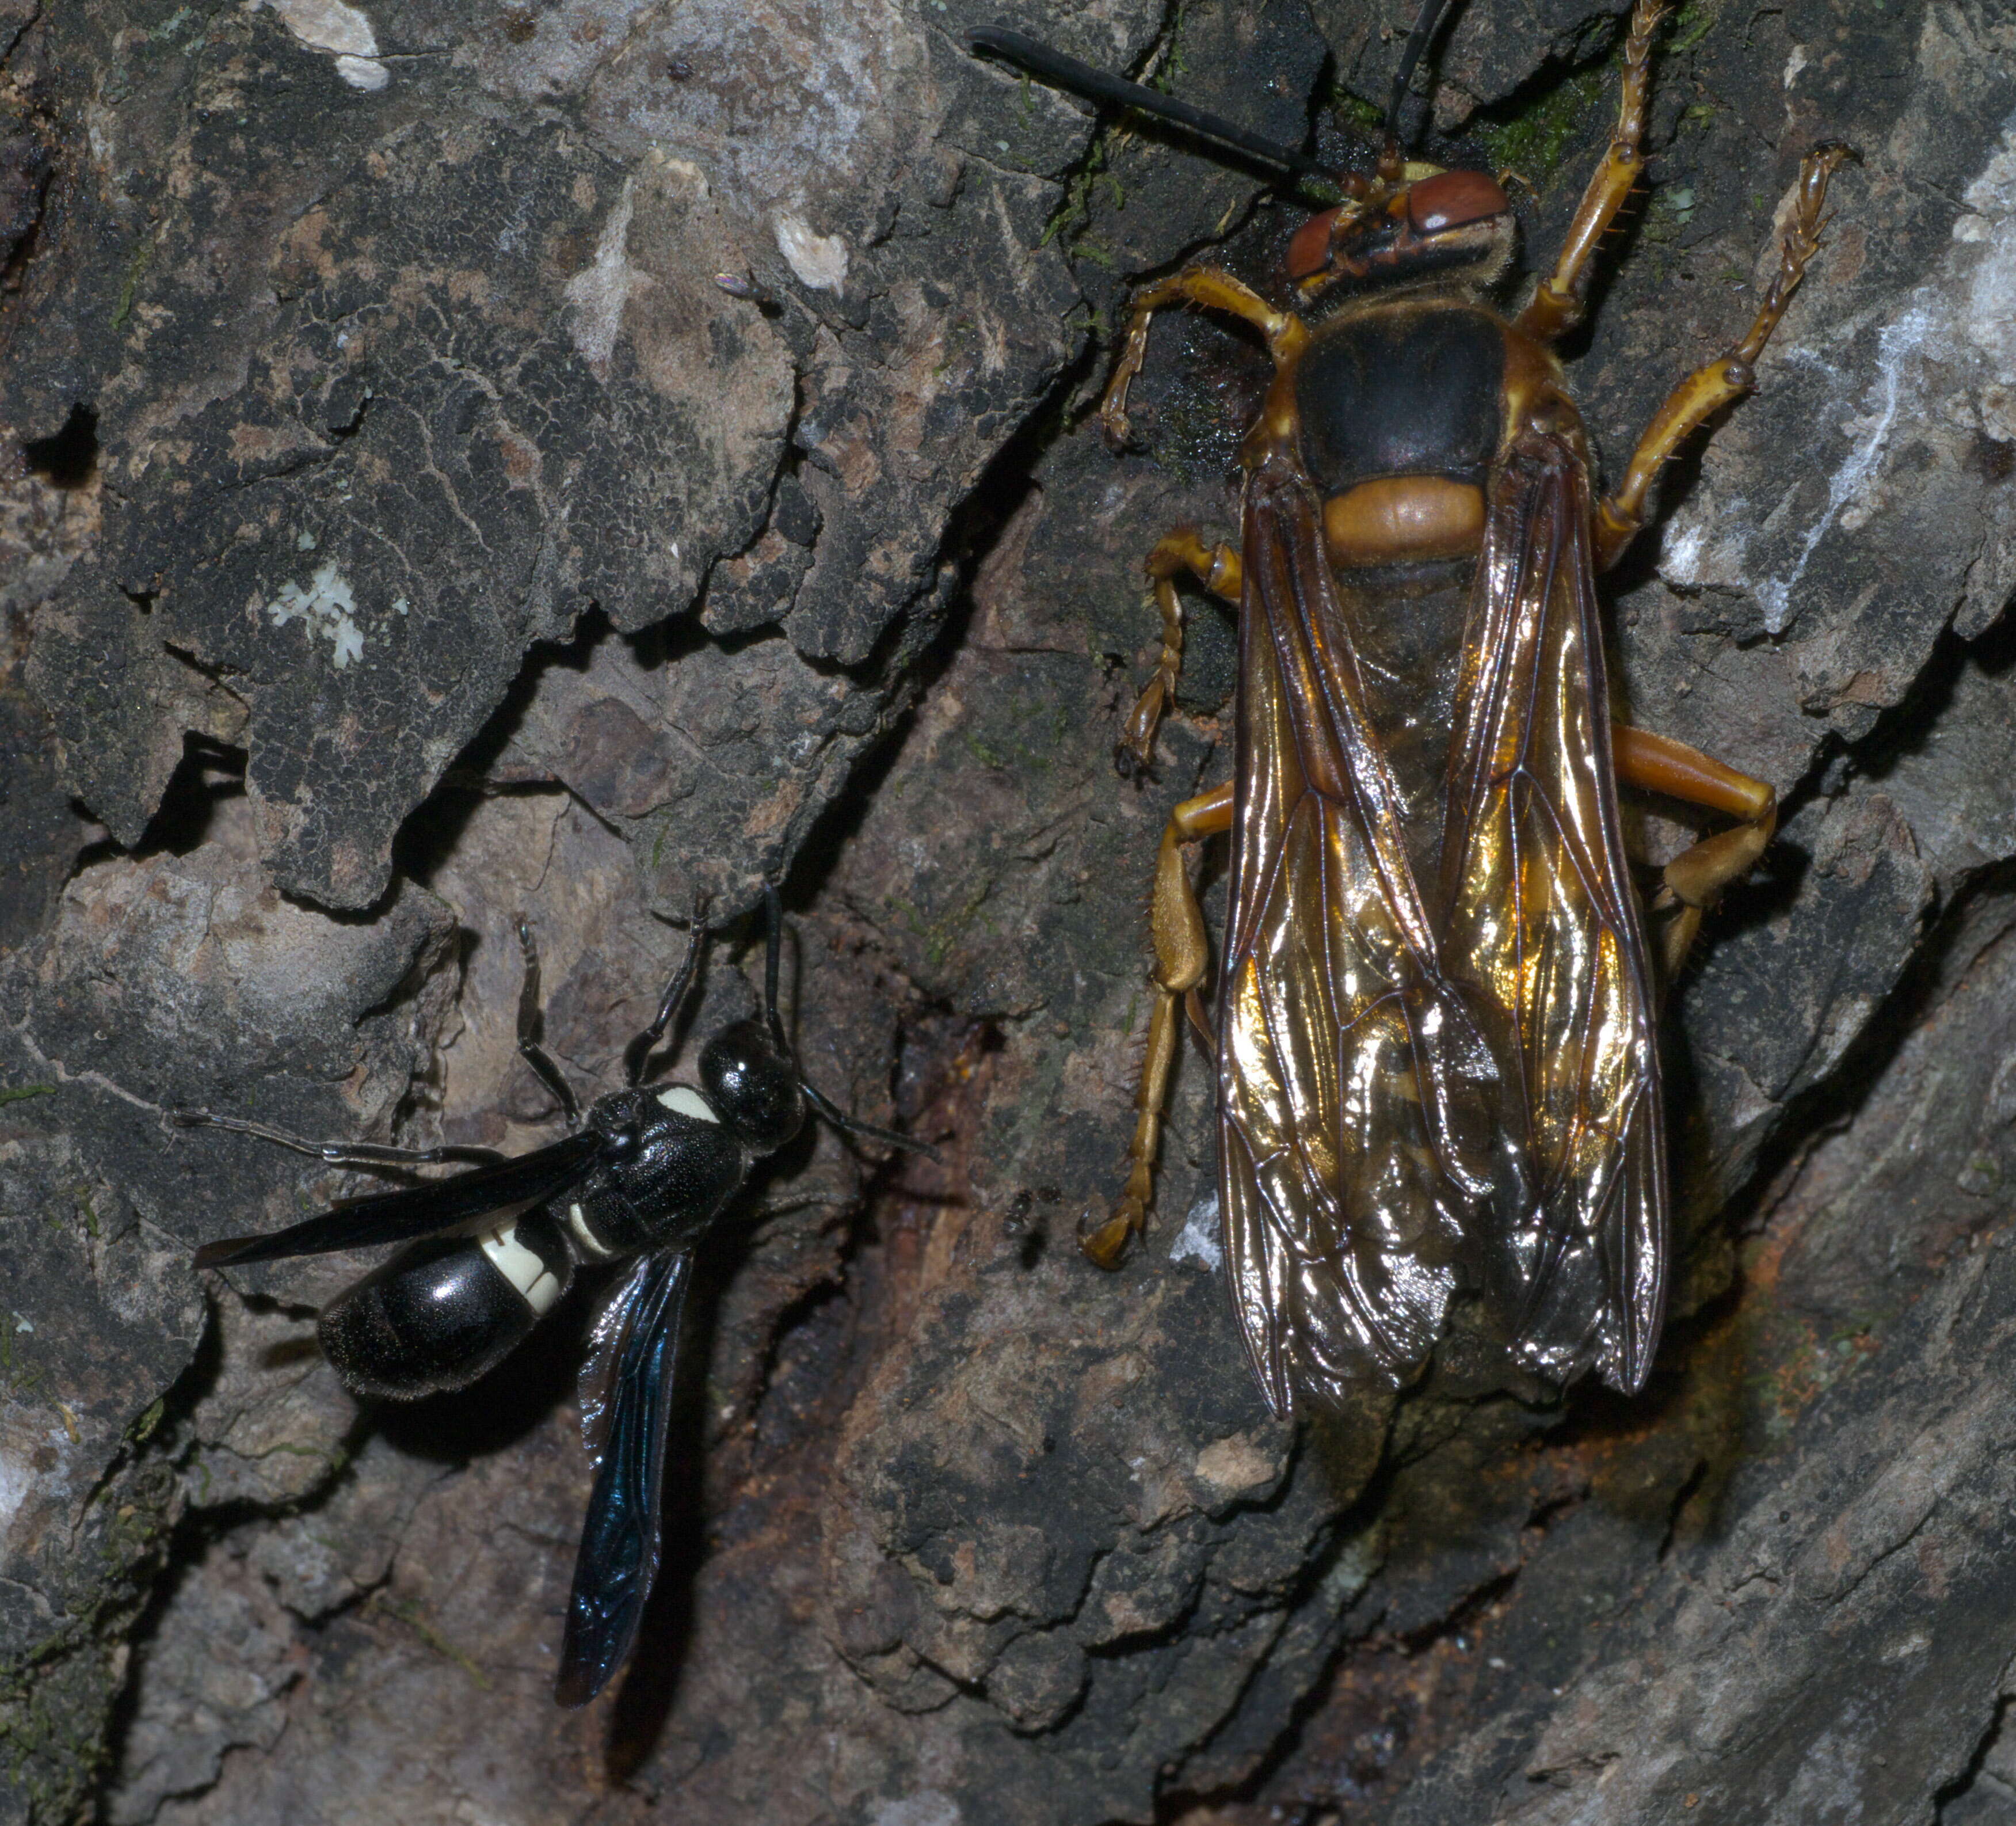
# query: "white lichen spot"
{"type": "Point", "coordinates": [365, 73]}
{"type": "Point", "coordinates": [17, 1478]}
{"type": "Point", "coordinates": [304, 541]}
{"type": "Point", "coordinates": [1794, 64]}
{"type": "Point", "coordinates": [1896, 342]}
{"type": "Point", "coordinates": [687, 171]}
{"type": "Point", "coordinates": [328, 606]}
{"type": "Point", "coordinates": [819, 261]}
{"type": "Point", "coordinates": [1197, 1241]}
{"type": "Point", "coordinates": [400, 605]}
{"type": "Point", "coordinates": [928, 1806]}
{"type": "Point", "coordinates": [1680, 552]}
{"type": "Point", "coordinates": [599, 292]}
{"type": "Point", "coordinates": [1938, 361]}
{"type": "Point", "coordinates": [342, 29]}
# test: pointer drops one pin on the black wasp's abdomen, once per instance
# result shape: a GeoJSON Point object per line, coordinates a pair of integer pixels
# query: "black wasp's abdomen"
{"type": "Point", "coordinates": [1410, 391]}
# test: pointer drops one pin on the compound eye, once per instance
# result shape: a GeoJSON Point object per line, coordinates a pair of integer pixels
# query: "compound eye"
{"type": "Point", "coordinates": [624, 1142]}
{"type": "Point", "coordinates": [1309, 253]}
{"type": "Point", "coordinates": [1451, 199]}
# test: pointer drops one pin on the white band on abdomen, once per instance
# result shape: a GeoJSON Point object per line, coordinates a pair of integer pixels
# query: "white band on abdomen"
{"type": "Point", "coordinates": [524, 1270]}
{"type": "Point", "coordinates": [585, 1236]}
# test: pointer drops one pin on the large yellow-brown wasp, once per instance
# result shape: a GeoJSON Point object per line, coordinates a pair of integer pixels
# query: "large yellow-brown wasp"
{"type": "Point", "coordinates": [1437, 1073]}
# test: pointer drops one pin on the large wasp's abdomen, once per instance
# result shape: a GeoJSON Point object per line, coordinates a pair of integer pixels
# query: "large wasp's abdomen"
{"type": "Point", "coordinates": [1401, 411]}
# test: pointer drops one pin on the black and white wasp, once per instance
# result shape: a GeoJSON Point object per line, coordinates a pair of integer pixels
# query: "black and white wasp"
{"type": "Point", "coordinates": [490, 1250]}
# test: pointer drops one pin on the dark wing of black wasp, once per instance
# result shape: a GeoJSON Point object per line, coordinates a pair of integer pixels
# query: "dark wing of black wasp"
{"type": "Point", "coordinates": [414, 1211]}
{"type": "Point", "coordinates": [624, 1413]}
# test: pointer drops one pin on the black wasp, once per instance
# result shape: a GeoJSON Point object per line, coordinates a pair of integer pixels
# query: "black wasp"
{"type": "Point", "coordinates": [490, 1251]}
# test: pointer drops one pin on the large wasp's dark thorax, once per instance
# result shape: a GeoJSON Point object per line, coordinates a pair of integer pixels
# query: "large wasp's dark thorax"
{"type": "Point", "coordinates": [1402, 389]}
{"type": "Point", "coordinates": [1438, 1072]}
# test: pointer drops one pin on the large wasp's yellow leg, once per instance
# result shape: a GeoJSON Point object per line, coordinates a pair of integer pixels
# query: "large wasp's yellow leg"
{"type": "Point", "coordinates": [1217, 568]}
{"type": "Point", "coordinates": [1285, 332]}
{"type": "Point", "coordinates": [1558, 302]}
{"type": "Point", "coordinates": [1182, 954]}
{"type": "Point", "coordinates": [1695, 878]}
{"type": "Point", "coordinates": [1729, 377]}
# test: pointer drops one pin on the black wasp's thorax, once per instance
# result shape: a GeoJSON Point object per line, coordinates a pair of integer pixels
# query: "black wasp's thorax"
{"type": "Point", "coordinates": [1413, 388]}
{"type": "Point", "coordinates": [685, 1167]}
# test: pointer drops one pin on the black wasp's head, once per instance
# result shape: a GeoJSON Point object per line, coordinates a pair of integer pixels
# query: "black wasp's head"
{"type": "Point", "coordinates": [1428, 224]}
{"type": "Point", "coordinates": [753, 1084]}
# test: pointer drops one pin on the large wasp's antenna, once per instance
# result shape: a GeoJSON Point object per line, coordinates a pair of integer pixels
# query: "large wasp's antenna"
{"type": "Point", "coordinates": [1054, 66]}
{"type": "Point", "coordinates": [1425, 24]}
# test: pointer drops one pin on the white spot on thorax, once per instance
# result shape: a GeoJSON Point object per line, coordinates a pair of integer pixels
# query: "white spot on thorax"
{"type": "Point", "coordinates": [683, 1099]}
{"type": "Point", "coordinates": [330, 25]}
{"type": "Point", "coordinates": [1197, 1241]}
{"type": "Point", "coordinates": [327, 605]}
{"type": "Point", "coordinates": [819, 261]}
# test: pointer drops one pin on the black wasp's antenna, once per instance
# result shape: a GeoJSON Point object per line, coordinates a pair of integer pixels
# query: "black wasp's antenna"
{"type": "Point", "coordinates": [773, 939]}
{"type": "Point", "coordinates": [1054, 66]}
{"type": "Point", "coordinates": [1426, 22]}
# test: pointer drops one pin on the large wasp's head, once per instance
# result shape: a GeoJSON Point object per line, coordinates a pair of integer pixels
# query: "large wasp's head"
{"type": "Point", "coordinates": [1430, 224]}
{"type": "Point", "coordinates": [1407, 223]}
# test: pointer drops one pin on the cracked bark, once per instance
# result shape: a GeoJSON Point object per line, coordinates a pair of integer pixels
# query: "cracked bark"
{"type": "Point", "coordinates": [410, 534]}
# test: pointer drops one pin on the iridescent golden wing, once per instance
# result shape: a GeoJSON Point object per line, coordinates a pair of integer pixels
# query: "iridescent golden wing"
{"type": "Point", "coordinates": [1542, 935]}
{"type": "Point", "coordinates": [1357, 1101]}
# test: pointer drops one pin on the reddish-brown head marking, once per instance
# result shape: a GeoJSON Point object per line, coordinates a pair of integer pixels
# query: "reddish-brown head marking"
{"type": "Point", "coordinates": [1450, 198]}
{"type": "Point", "coordinates": [1309, 253]}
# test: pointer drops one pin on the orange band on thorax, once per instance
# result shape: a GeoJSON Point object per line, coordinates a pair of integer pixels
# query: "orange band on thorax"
{"type": "Point", "coordinates": [1398, 519]}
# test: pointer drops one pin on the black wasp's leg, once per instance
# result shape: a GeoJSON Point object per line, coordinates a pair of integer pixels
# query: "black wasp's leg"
{"type": "Point", "coordinates": [773, 953]}
{"type": "Point", "coordinates": [341, 1153]}
{"type": "Point", "coordinates": [638, 1054]}
{"type": "Point", "coordinates": [773, 941]}
{"type": "Point", "coordinates": [531, 1031]}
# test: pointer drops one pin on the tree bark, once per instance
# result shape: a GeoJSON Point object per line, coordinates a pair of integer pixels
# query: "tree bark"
{"type": "Point", "coordinates": [412, 533]}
